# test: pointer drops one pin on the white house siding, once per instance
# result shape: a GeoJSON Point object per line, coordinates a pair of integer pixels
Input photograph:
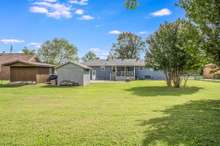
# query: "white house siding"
{"type": "Point", "coordinates": [74, 73]}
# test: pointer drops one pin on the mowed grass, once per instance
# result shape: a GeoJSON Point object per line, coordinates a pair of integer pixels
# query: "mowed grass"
{"type": "Point", "coordinates": [144, 113]}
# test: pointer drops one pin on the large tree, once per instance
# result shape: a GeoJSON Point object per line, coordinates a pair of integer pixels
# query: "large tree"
{"type": "Point", "coordinates": [89, 56]}
{"type": "Point", "coordinates": [205, 14]}
{"type": "Point", "coordinates": [57, 51]}
{"type": "Point", "coordinates": [175, 49]}
{"type": "Point", "coordinates": [128, 46]}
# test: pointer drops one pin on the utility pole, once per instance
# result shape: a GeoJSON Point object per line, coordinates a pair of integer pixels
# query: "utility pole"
{"type": "Point", "coordinates": [11, 48]}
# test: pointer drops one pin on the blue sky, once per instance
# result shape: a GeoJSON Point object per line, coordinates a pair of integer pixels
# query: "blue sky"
{"type": "Point", "coordinates": [88, 24]}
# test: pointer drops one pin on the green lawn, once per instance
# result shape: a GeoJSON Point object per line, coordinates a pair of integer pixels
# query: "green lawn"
{"type": "Point", "coordinates": [114, 114]}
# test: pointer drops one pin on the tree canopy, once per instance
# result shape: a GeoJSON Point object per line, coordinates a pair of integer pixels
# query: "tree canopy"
{"type": "Point", "coordinates": [128, 46]}
{"type": "Point", "coordinates": [206, 15]}
{"type": "Point", "coordinates": [28, 51]}
{"type": "Point", "coordinates": [131, 4]}
{"type": "Point", "coordinates": [57, 51]}
{"type": "Point", "coordinates": [89, 56]}
{"type": "Point", "coordinates": [175, 49]}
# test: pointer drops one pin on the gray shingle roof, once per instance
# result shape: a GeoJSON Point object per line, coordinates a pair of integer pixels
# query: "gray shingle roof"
{"type": "Point", "coordinates": [115, 62]}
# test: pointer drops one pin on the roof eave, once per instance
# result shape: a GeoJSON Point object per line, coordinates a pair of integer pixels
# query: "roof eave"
{"type": "Point", "coordinates": [28, 63]}
{"type": "Point", "coordinates": [84, 66]}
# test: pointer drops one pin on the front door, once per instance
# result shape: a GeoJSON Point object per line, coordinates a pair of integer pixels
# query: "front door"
{"type": "Point", "coordinates": [93, 75]}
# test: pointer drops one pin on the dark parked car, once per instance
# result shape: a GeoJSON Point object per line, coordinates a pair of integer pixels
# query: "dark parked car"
{"type": "Point", "coordinates": [52, 77]}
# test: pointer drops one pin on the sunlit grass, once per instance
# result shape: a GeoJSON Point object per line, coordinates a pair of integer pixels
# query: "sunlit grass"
{"type": "Point", "coordinates": [117, 114]}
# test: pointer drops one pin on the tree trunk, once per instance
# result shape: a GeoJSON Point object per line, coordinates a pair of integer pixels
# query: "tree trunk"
{"type": "Point", "coordinates": [185, 80]}
{"type": "Point", "coordinates": [176, 79]}
{"type": "Point", "coordinates": [169, 83]}
{"type": "Point", "coordinates": [168, 78]}
{"type": "Point", "coordinates": [177, 84]}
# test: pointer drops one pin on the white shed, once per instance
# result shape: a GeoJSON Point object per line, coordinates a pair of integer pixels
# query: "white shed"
{"type": "Point", "coordinates": [73, 72]}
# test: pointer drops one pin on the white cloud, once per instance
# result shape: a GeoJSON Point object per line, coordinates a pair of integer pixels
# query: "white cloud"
{"type": "Point", "coordinates": [79, 2]}
{"type": "Point", "coordinates": [94, 50]}
{"type": "Point", "coordinates": [34, 45]}
{"type": "Point", "coordinates": [86, 17]}
{"type": "Point", "coordinates": [50, 1]}
{"type": "Point", "coordinates": [52, 9]}
{"type": "Point", "coordinates": [79, 11]}
{"type": "Point", "coordinates": [57, 10]}
{"type": "Point", "coordinates": [10, 41]}
{"type": "Point", "coordinates": [162, 12]}
{"type": "Point", "coordinates": [143, 32]}
{"type": "Point", "coordinates": [41, 10]}
{"type": "Point", "coordinates": [115, 32]}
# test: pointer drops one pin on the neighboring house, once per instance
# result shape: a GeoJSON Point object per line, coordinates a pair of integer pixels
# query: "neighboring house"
{"type": "Point", "coordinates": [9, 57]}
{"type": "Point", "coordinates": [211, 71]}
{"type": "Point", "coordinates": [118, 69]}
{"type": "Point", "coordinates": [74, 72]}
{"type": "Point", "coordinates": [21, 70]}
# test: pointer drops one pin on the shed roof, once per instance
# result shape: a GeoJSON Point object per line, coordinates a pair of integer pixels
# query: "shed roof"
{"type": "Point", "coordinates": [37, 64]}
{"type": "Point", "coordinates": [78, 64]}
{"type": "Point", "coordinates": [9, 57]}
{"type": "Point", "coordinates": [115, 62]}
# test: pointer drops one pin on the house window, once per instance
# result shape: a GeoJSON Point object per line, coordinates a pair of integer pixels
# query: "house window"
{"type": "Point", "coordinates": [102, 68]}
{"type": "Point", "coordinates": [120, 71]}
{"type": "Point", "coordinates": [141, 68]}
{"type": "Point", "coordinates": [130, 68]}
{"type": "Point", "coordinates": [151, 69]}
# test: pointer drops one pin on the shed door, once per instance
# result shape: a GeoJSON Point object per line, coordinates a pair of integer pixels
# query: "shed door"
{"type": "Point", "coordinates": [23, 74]}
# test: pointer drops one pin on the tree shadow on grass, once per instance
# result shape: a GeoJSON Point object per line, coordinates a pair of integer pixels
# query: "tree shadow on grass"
{"type": "Point", "coordinates": [162, 91]}
{"type": "Point", "coordinates": [193, 124]}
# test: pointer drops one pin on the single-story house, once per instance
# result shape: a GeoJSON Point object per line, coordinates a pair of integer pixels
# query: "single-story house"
{"type": "Point", "coordinates": [122, 69]}
{"type": "Point", "coordinates": [9, 57]}
{"type": "Point", "coordinates": [211, 71]}
{"type": "Point", "coordinates": [74, 72]}
{"type": "Point", "coordinates": [21, 70]}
